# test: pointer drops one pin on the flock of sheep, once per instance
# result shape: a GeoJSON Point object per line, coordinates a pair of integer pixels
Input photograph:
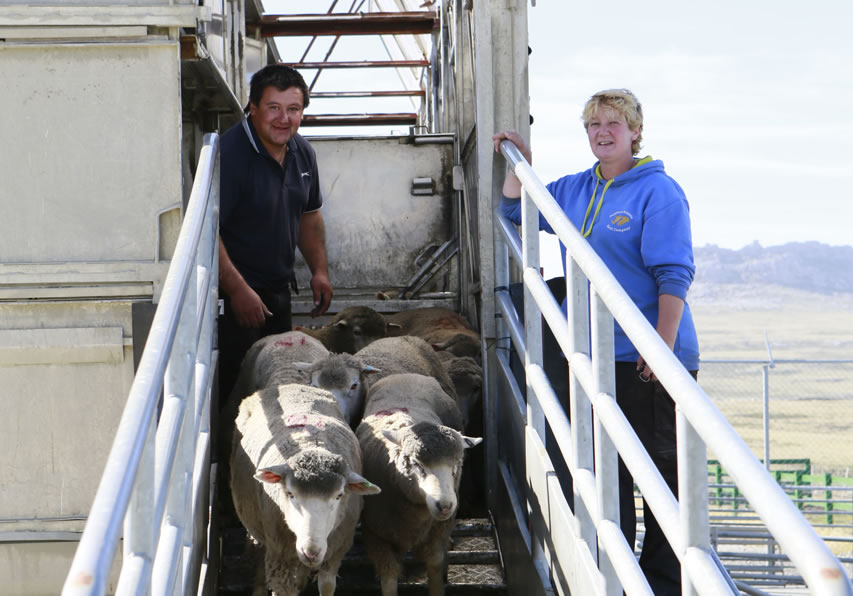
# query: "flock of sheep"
{"type": "Point", "coordinates": [407, 383]}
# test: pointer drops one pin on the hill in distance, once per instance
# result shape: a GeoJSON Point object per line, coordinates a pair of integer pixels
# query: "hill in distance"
{"type": "Point", "coordinates": [797, 275]}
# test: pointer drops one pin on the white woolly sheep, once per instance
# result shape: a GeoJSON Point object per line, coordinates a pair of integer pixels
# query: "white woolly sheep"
{"type": "Point", "coordinates": [270, 361]}
{"type": "Point", "coordinates": [345, 377]}
{"type": "Point", "coordinates": [411, 444]}
{"type": "Point", "coordinates": [351, 329]}
{"type": "Point", "coordinates": [442, 328]}
{"type": "Point", "coordinates": [297, 485]}
{"type": "Point", "coordinates": [348, 377]}
{"type": "Point", "coordinates": [405, 354]}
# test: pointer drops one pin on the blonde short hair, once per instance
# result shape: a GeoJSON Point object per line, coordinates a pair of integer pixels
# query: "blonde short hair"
{"type": "Point", "coordinates": [621, 101]}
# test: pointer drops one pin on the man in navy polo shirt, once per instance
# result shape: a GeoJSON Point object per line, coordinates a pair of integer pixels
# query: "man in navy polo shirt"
{"type": "Point", "coordinates": [270, 204]}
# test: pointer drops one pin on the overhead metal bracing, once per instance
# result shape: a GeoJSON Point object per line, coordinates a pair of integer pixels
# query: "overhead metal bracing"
{"type": "Point", "coordinates": [404, 34]}
{"type": "Point", "coordinates": [392, 23]}
{"type": "Point", "coordinates": [360, 119]}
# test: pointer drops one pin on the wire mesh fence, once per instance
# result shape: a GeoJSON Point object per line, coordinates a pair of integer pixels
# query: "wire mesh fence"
{"type": "Point", "coordinates": [788, 409]}
{"type": "Point", "coordinates": [798, 416]}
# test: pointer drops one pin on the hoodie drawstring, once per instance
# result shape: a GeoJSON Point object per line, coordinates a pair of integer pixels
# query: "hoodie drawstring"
{"type": "Point", "coordinates": [584, 231]}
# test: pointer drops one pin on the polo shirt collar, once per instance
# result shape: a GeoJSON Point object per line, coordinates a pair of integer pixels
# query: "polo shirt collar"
{"type": "Point", "coordinates": [252, 134]}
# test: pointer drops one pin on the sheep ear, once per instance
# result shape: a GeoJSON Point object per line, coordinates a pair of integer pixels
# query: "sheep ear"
{"type": "Point", "coordinates": [471, 441]}
{"type": "Point", "coordinates": [393, 325]}
{"type": "Point", "coordinates": [341, 323]}
{"type": "Point", "coordinates": [302, 365]}
{"type": "Point", "coordinates": [393, 435]}
{"type": "Point", "coordinates": [359, 485]}
{"type": "Point", "coordinates": [370, 369]}
{"type": "Point", "coordinates": [273, 474]}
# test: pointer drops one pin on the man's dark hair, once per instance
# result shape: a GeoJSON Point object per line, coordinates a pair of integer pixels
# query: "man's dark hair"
{"type": "Point", "coordinates": [279, 76]}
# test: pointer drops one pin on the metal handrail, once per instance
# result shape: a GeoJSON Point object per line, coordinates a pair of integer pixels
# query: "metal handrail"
{"type": "Point", "coordinates": [700, 422]}
{"type": "Point", "coordinates": [142, 469]}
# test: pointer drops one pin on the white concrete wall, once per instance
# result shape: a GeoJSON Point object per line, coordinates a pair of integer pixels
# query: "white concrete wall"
{"type": "Point", "coordinates": [375, 226]}
{"type": "Point", "coordinates": [96, 156]}
{"type": "Point", "coordinates": [91, 188]}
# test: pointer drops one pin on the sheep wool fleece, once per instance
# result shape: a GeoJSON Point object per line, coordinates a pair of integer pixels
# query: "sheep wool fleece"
{"type": "Point", "coordinates": [639, 224]}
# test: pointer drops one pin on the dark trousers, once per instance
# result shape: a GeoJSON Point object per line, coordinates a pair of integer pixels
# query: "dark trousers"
{"type": "Point", "coordinates": [235, 341]}
{"type": "Point", "coordinates": [651, 412]}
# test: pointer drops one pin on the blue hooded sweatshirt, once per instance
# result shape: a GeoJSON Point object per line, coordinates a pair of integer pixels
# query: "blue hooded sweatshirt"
{"type": "Point", "coordinates": [639, 225]}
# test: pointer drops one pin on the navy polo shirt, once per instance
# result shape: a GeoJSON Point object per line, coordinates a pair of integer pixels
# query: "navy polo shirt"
{"type": "Point", "coordinates": [261, 203]}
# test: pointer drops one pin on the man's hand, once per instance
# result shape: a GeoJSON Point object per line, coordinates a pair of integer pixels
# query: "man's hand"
{"type": "Point", "coordinates": [249, 309]}
{"type": "Point", "coordinates": [321, 287]}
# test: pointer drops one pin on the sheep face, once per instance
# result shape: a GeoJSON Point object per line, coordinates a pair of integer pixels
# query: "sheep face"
{"type": "Point", "coordinates": [462, 344]}
{"type": "Point", "coordinates": [342, 375]}
{"type": "Point", "coordinates": [430, 456]}
{"type": "Point", "coordinates": [355, 327]}
{"type": "Point", "coordinates": [312, 490]}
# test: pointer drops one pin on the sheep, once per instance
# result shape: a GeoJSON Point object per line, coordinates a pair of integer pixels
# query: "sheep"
{"type": "Point", "coordinates": [411, 443]}
{"type": "Point", "coordinates": [270, 361]}
{"type": "Point", "coordinates": [297, 485]}
{"type": "Point", "coordinates": [406, 354]}
{"type": "Point", "coordinates": [349, 377]}
{"type": "Point", "coordinates": [442, 328]}
{"type": "Point", "coordinates": [467, 378]}
{"type": "Point", "coordinates": [344, 376]}
{"type": "Point", "coordinates": [351, 329]}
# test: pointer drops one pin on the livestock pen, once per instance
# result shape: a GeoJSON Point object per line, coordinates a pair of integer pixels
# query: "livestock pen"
{"type": "Point", "coordinates": [410, 217]}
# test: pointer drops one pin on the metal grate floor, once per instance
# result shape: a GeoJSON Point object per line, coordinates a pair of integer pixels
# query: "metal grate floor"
{"type": "Point", "coordinates": [474, 566]}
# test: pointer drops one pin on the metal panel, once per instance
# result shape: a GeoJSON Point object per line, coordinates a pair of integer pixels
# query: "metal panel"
{"type": "Point", "coordinates": [59, 4]}
{"type": "Point", "coordinates": [98, 142]}
{"type": "Point", "coordinates": [59, 418]}
{"type": "Point", "coordinates": [61, 346]}
{"type": "Point", "coordinates": [374, 238]}
{"type": "Point", "coordinates": [35, 568]}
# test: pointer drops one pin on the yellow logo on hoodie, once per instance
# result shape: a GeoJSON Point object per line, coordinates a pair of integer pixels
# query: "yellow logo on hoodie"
{"type": "Point", "coordinates": [619, 221]}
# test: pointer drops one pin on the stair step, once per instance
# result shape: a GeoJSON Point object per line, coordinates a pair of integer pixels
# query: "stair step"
{"type": "Point", "coordinates": [474, 565]}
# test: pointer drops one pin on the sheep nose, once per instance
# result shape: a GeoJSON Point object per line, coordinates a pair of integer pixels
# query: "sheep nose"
{"type": "Point", "coordinates": [445, 507]}
{"type": "Point", "coordinates": [311, 553]}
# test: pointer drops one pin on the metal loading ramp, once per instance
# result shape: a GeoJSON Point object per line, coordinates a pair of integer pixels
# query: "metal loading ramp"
{"type": "Point", "coordinates": [474, 566]}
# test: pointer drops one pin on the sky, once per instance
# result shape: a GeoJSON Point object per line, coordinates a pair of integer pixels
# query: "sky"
{"type": "Point", "coordinates": [748, 104]}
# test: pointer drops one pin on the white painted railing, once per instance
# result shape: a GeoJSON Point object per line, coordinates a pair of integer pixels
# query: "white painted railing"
{"type": "Point", "coordinates": [594, 557]}
{"type": "Point", "coordinates": [153, 493]}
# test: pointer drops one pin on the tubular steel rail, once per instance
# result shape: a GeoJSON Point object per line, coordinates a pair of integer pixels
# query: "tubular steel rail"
{"type": "Point", "coordinates": [388, 26]}
{"type": "Point", "coordinates": [607, 564]}
{"type": "Point", "coordinates": [376, 23]}
{"type": "Point", "coordinates": [155, 483]}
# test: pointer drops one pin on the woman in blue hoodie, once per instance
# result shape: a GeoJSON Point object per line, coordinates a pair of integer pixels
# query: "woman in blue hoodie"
{"type": "Point", "coordinates": [637, 220]}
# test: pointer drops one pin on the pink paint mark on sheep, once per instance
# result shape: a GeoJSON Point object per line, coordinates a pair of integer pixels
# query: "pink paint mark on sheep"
{"type": "Point", "coordinates": [391, 412]}
{"type": "Point", "coordinates": [284, 343]}
{"type": "Point", "coordinates": [302, 420]}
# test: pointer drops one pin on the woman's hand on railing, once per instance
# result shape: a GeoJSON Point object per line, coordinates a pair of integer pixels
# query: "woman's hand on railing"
{"type": "Point", "coordinates": [517, 140]}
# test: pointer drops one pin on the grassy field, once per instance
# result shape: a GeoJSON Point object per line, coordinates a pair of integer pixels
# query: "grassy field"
{"type": "Point", "coordinates": [811, 405]}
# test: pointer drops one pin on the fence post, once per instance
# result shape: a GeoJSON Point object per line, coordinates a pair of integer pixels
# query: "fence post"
{"type": "Point", "coordinates": [827, 481]}
{"type": "Point", "coordinates": [765, 390]}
